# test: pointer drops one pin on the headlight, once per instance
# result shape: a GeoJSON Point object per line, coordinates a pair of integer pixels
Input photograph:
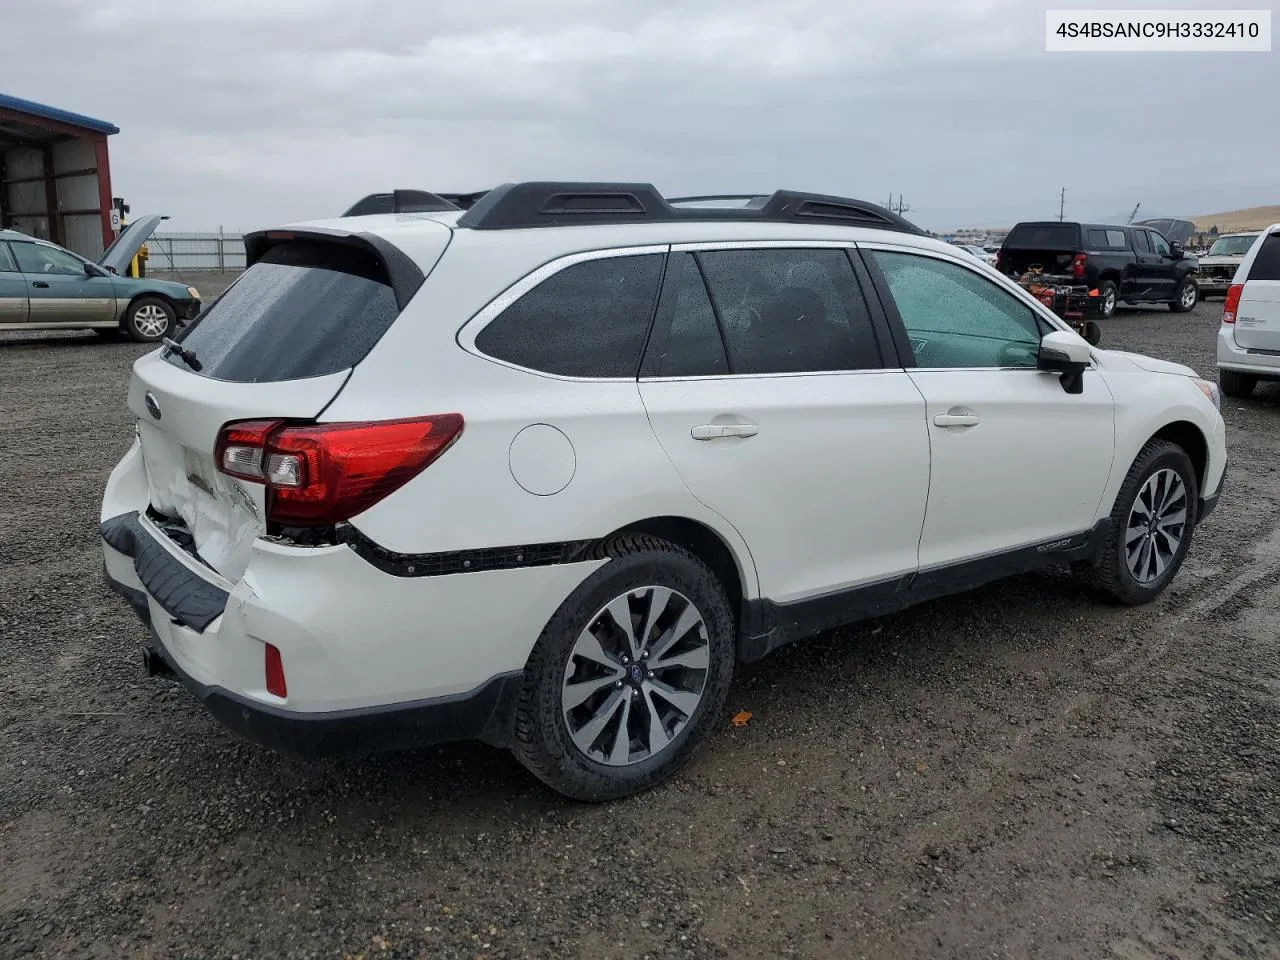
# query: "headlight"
{"type": "Point", "coordinates": [1210, 390]}
{"type": "Point", "coordinates": [193, 293]}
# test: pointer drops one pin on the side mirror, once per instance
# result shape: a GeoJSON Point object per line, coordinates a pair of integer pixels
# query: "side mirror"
{"type": "Point", "coordinates": [1067, 355]}
{"type": "Point", "coordinates": [1176, 251]}
{"type": "Point", "coordinates": [94, 271]}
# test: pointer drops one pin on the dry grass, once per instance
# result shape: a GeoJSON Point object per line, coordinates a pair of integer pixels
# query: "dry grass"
{"type": "Point", "coordinates": [1253, 218]}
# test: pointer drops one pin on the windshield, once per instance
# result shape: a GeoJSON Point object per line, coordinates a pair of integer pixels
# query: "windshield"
{"type": "Point", "coordinates": [1232, 246]}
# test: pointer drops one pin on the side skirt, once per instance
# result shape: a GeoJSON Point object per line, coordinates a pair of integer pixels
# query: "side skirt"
{"type": "Point", "coordinates": [767, 625]}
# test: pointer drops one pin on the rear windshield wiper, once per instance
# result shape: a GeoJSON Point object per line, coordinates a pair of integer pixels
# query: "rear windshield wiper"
{"type": "Point", "coordinates": [187, 356]}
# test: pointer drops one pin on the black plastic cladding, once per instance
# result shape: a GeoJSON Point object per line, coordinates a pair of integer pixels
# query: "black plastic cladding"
{"type": "Point", "coordinates": [551, 204]}
{"type": "Point", "coordinates": [401, 201]}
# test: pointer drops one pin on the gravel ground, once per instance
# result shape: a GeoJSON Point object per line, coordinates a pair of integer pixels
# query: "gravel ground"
{"type": "Point", "coordinates": [1018, 772]}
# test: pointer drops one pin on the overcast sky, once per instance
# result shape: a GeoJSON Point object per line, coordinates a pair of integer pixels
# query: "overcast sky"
{"type": "Point", "coordinates": [245, 113]}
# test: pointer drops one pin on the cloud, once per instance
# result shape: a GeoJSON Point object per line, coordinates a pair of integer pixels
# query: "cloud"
{"type": "Point", "coordinates": [248, 112]}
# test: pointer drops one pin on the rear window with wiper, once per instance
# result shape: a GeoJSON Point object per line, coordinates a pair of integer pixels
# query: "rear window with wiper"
{"type": "Point", "coordinates": [306, 309]}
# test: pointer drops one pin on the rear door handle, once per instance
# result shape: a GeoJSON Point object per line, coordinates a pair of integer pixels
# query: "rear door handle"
{"type": "Point", "coordinates": [40, 283]}
{"type": "Point", "coordinates": [715, 431]}
{"type": "Point", "coordinates": [955, 420]}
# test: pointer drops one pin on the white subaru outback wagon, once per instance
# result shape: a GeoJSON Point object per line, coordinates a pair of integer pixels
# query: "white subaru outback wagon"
{"type": "Point", "coordinates": [539, 467]}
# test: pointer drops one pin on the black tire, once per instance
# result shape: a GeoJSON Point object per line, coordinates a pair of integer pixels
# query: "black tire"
{"type": "Point", "coordinates": [1108, 297]}
{"type": "Point", "coordinates": [543, 743]}
{"type": "Point", "coordinates": [1237, 385]}
{"type": "Point", "coordinates": [1111, 574]}
{"type": "Point", "coordinates": [1177, 305]}
{"type": "Point", "coordinates": [140, 319]}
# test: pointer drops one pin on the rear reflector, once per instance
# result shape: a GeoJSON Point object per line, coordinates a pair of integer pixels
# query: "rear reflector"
{"type": "Point", "coordinates": [1232, 303]}
{"type": "Point", "coordinates": [275, 673]}
{"type": "Point", "coordinates": [320, 474]}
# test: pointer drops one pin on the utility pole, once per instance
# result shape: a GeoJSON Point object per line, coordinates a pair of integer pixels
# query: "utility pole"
{"type": "Point", "coordinates": [1062, 203]}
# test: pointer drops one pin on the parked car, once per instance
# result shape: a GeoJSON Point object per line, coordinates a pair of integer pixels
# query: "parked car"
{"type": "Point", "coordinates": [1219, 265]}
{"type": "Point", "coordinates": [542, 472]}
{"type": "Point", "coordinates": [1134, 263]}
{"type": "Point", "coordinates": [978, 252]}
{"type": "Point", "coordinates": [46, 287]}
{"type": "Point", "coordinates": [1249, 337]}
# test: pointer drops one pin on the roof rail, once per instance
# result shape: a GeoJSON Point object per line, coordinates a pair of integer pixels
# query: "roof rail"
{"type": "Point", "coordinates": [551, 204]}
{"type": "Point", "coordinates": [400, 201]}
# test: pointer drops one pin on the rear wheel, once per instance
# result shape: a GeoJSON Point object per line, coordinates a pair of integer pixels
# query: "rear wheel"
{"type": "Point", "coordinates": [149, 319]}
{"type": "Point", "coordinates": [1151, 525]}
{"type": "Point", "coordinates": [630, 674]}
{"type": "Point", "coordinates": [1185, 297]}
{"type": "Point", "coordinates": [1238, 385]}
{"type": "Point", "coordinates": [1107, 297]}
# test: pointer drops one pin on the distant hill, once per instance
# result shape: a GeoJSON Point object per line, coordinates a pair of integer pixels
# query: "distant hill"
{"type": "Point", "coordinates": [1253, 218]}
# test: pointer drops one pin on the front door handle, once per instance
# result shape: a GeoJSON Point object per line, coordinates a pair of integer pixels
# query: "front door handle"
{"type": "Point", "coordinates": [955, 420]}
{"type": "Point", "coordinates": [40, 283]}
{"type": "Point", "coordinates": [715, 431]}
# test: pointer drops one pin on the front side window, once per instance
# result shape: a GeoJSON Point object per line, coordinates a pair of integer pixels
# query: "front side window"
{"type": "Point", "coordinates": [1159, 244]}
{"type": "Point", "coordinates": [790, 310]}
{"type": "Point", "coordinates": [588, 320]}
{"type": "Point", "coordinates": [37, 258]}
{"type": "Point", "coordinates": [955, 318]}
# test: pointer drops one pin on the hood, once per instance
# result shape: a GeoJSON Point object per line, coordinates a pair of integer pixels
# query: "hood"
{"type": "Point", "coordinates": [1223, 260]}
{"type": "Point", "coordinates": [1152, 365]}
{"type": "Point", "coordinates": [123, 249]}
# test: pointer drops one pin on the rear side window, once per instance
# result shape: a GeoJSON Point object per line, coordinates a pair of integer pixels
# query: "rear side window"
{"type": "Point", "coordinates": [686, 339]}
{"type": "Point", "coordinates": [1043, 236]}
{"type": "Point", "coordinates": [1266, 265]}
{"type": "Point", "coordinates": [790, 310]}
{"type": "Point", "coordinates": [588, 320]}
{"type": "Point", "coordinates": [1108, 239]}
{"type": "Point", "coordinates": [306, 309]}
{"type": "Point", "coordinates": [1140, 241]}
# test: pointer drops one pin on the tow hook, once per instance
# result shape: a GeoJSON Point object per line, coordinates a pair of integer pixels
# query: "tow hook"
{"type": "Point", "coordinates": [155, 666]}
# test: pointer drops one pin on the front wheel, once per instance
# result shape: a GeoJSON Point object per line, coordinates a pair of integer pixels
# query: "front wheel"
{"type": "Point", "coordinates": [1151, 525]}
{"type": "Point", "coordinates": [149, 319]}
{"type": "Point", "coordinates": [629, 675]}
{"type": "Point", "coordinates": [1107, 296]}
{"type": "Point", "coordinates": [1185, 297]}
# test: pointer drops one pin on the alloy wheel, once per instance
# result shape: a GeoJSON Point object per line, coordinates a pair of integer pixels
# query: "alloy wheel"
{"type": "Point", "coordinates": [1157, 525]}
{"type": "Point", "coordinates": [150, 320]}
{"type": "Point", "coordinates": [1188, 296]}
{"type": "Point", "coordinates": [635, 676]}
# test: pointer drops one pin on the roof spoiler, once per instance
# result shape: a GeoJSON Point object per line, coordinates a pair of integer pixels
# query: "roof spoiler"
{"type": "Point", "coordinates": [401, 201]}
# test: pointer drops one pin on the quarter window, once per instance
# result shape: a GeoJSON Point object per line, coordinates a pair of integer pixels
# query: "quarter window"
{"type": "Point", "coordinates": [7, 264]}
{"type": "Point", "coordinates": [790, 310]}
{"type": "Point", "coordinates": [588, 320]}
{"type": "Point", "coordinates": [955, 318]}
{"type": "Point", "coordinates": [37, 258]}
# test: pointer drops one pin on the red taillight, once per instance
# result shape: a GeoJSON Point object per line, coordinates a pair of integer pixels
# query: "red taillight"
{"type": "Point", "coordinates": [1077, 265]}
{"type": "Point", "coordinates": [275, 673]}
{"type": "Point", "coordinates": [320, 474]}
{"type": "Point", "coordinates": [1232, 303]}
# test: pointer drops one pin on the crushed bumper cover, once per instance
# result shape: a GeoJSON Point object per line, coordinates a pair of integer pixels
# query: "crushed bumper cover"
{"type": "Point", "coordinates": [486, 713]}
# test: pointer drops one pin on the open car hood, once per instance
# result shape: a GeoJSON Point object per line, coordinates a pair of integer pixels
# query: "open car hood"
{"type": "Point", "coordinates": [123, 249]}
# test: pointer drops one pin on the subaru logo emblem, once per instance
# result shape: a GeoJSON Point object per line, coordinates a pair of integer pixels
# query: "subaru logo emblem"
{"type": "Point", "coordinates": [637, 673]}
{"type": "Point", "coordinates": [153, 407]}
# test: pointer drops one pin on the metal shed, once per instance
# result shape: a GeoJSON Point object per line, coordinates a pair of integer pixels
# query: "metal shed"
{"type": "Point", "coordinates": [55, 175]}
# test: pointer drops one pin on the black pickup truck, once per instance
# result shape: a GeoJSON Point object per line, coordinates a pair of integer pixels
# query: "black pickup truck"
{"type": "Point", "coordinates": [1132, 263]}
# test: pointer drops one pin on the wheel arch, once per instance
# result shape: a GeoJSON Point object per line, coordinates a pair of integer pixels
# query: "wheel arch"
{"type": "Point", "coordinates": [707, 545]}
{"type": "Point", "coordinates": [1191, 439]}
{"type": "Point", "coordinates": [145, 294]}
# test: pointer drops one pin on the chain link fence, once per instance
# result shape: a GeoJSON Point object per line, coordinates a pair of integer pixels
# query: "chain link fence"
{"type": "Point", "coordinates": [187, 252]}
